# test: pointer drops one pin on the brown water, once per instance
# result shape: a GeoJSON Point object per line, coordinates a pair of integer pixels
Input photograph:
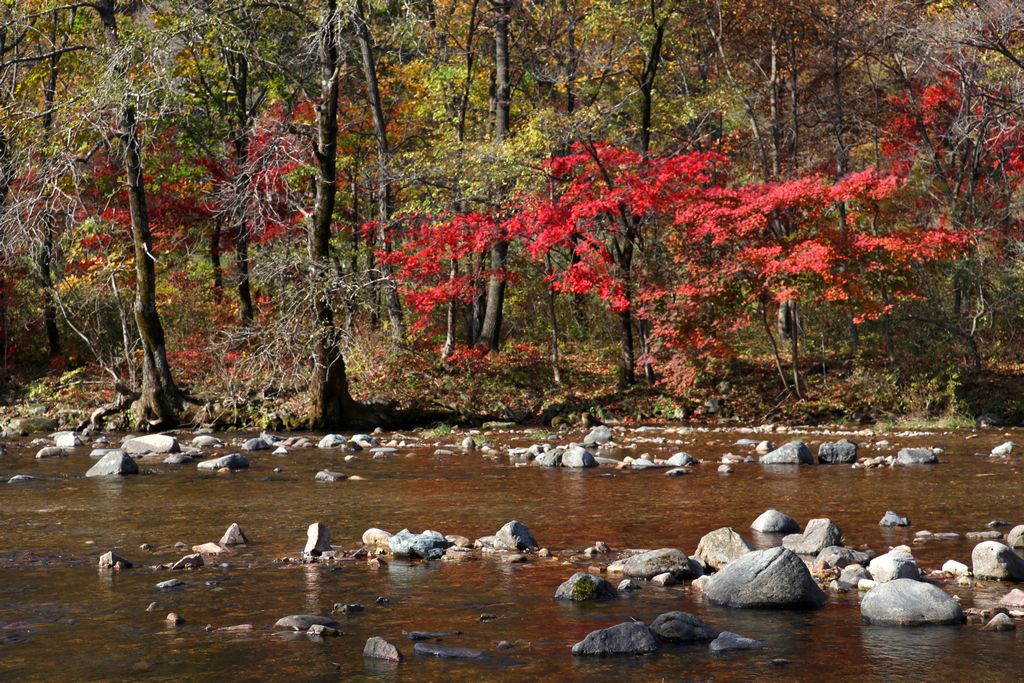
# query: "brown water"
{"type": "Point", "coordinates": [62, 619]}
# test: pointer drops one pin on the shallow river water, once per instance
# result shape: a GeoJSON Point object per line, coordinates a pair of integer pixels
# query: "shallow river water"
{"type": "Point", "coordinates": [63, 619]}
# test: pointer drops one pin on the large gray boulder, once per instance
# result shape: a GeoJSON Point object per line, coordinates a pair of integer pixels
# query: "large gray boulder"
{"type": "Point", "coordinates": [581, 586]}
{"type": "Point", "coordinates": [681, 627]}
{"type": "Point", "coordinates": [895, 564]}
{"type": "Point", "coordinates": [629, 638]}
{"type": "Point", "coordinates": [774, 522]}
{"type": "Point", "coordinates": [905, 602]}
{"type": "Point", "coordinates": [720, 547]}
{"type": "Point", "coordinates": [429, 545]}
{"type": "Point", "coordinates": [256, 444]}
{"type": "Point", "coordinates": [234, 461]}
{"type": "Point", "coordinates": [115, 463]}
{"type": "Point", "coordinates": [775, 578]}
{"type": "Point", "coordinates": [378, 648]}
{"type": "Point", "coordinates": [916, 456]}
{"type": "Point", "coordinates": [233, 536]}
{"type": "Point", "coordinates": [819, 534]}
{"type": "Point", "coordinates": [649, 564]}
{"type": "Point", "coordinates": [842, 452]}
{"type": "Point", "coordinates": [993, 560]}
{"type": "Point", "coordinates": [552, 458]}
{"type": "Point", "coordinates": [1015, 539]}
{"type": "Point", "coordinates": [792, 453]}
{"type": "Point", "coordinates": [515, 536]}
{"type": "Point", "coordinates": [577, 456]}
{"type": "Point", "coordinates": [151, 443]}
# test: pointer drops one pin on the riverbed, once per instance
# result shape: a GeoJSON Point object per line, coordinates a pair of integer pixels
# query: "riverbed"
{"type": "Point", "coordinates": [61, 618]}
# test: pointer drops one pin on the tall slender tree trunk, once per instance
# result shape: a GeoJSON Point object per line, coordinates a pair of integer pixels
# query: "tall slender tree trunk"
{"type": "Point", "coordinates": [215, 264]}
{"type": "Point", "coordinates": [238, 74]}
{"type": "Point", "coordinates": [385, 197]}
{"type": "Point", "coordinates": [160, 400]}
{"type": "Point", "coordinates": [332, 404]}
{"type": "Point", "coordinates": [490, 331]}
{"type": "Point", "coordinates": [44, 257]}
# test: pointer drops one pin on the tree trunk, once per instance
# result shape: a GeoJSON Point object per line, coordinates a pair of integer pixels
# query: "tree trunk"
{"type": "Point", "coordinates": [490, 331]}
{"type": "Point", "coordinates": [238, 74]}
{"type": "Point", "coordinates": [385, 198]}
{"type": "Point", "coordinates": [45, 273]}
{"type": "Point", "coordinates": [160, 400]}
{"type": "Point", "coordinates": [218, 270]}
{"type": "Point", "coordinates": [553, 318]}
{"type": "Point", "coordinates": [332, 405]}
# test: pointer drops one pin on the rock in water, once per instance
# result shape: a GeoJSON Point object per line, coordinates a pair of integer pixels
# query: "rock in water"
{"type": "Point", "coordinates": [774, 522]}
{"type": "Point", "coordinates": [890, 518]}
{"type": "Point", "coordinates": [178, 459]}
{"type": "Point", "coordinates": [515, 536]}
{"type": "Point", "coordinates": [681, 627]}
{"type": "Point", "coordinates": [1013, 600]}
{"type": "Point", "coordinates": [207, 441]}
{"type": "Point", "coordinates": [1002, 449]}
{"type": "Point", "coordinates": [1015, 539]}
{"type": "Point", "coordinates": [581, 586]}
{"type": "Point", "coordinates": [114, 463]}
{"type": "Point", "coordinates": [193, 561]}
{"type": "Point", "coordinates": [993, 560]}
{"type": "Point", "coordinates": [916, 456]}
{"type": "Point", "coordinates": [446, 651]}
{"type": "Point", "coordinates": [839, 557]}
{"type": "Point", "coordinates": [318, 539]}
{"type": "Point", "coordinates": [720, 547]}
{"type": "Point", "coordinates": [67, 440]}
{"type": "Point", "coordinates": [332, 441]}
{"type": "Point", "coordinates": [792, 453]}
{"type": "Point", "coordinates": [110, 560]}
{"type": "Point", "coordinates": [1000, 622]}
{"type": "Point", "coordinates": [682, 460]}
{"type": "Point", "coordinates": [376, 538]}
{"type": "Point", "coordinates": [895, 564]}
{"type": "Point", "coordinates": [378, 648]}
{"type": "Point", "coordinates": [598, 435]}
{"type": "Point", "coordinates": [51, 452]}
{"type": "Point", "coordinates": [629, 638]}
{"type": "Point", "coordinates": [329, 476]}
{"type": "Point", "coordinates": [775, 578]}
{"type": "Point", "coordinates": [727, 641]}
{"type": "Point", "coordinates": [233, 536]}
{"type": "Point", "coordinates": [843, 452]}
{"type": "Point", "coordinates": [577, 456]}
{"type": "Point", "coordinates": [234, 461]}
{"type": "Point", "coordinates": [256, 444]}
{"type": "Point", "coordinates": [649, 564]}
{"type": "Point", "coordinates": [151, 443]}
{"type": "Point", "coordinates": [302, 622]}
{"type": "Point", "coordinates": [905, 602]}
{"type": "Point", "coordinates": [429, 545]}
{"type": "Point", "coordinates": [819, 534]}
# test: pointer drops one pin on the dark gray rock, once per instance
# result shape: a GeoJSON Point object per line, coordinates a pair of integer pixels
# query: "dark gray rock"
{"type": "Point", "coordinates": [429, 545]}
{"type": "Point", "coordinates": [892, 519]}
{"type": "Point", "coordinates": [1000, 622]}
{"type": "Point", "coordinates": [774, 578]}
{"type": "Point", "coordinates": [839, 557]}
{"type": "Point", "coordinates": [20, 479]}
{"type": "Point", "coordinates": [515, 536]}
{"type": "Point", "coordinates": [775, 522]}
{"type": "Point", "coordinates": [629, 638]}
{"type": "Point", "coordinates": [729, 641]}
{"type": "Point", "coordinates": [792, 453]}
{"type": "Point", "coordinates": [905, 602]}
{"type": "Point", "coordinates": [234, 461]}
{"type": "Point", "coordinates": [916, 456]}
{"type": "Point", "coordinates": [990, 420]}
{"type": "Point", "coordinates": [193, 561]}
{"type": "Point", "coordinates": [720, 547]}
{"type": "Point", "coordinates": [113, 464]}
{"type": "Point", "coordinates": [170, 584]}
{"type": "Point", "coordinates": [332, 441]}
{"type": "Point", "coordinates": [649, 564]}
{"type": "Point", "coordinates": [993, 560]}
{"type": "Point", "coordinates": [681, 627]}
{"type": "Point", "coordinates": [207, 441]}
{"type": "Point", "coordinates": [110, 560]}
{"type": "Point", "coordinates": [178, 459]}
{"type": "Point", "coordinates": [302, 622]}
{"type": "Point", "coordinates": [446, 651]}
{"type": "Point", "coordinates": [581, 586]}
{"type": "Point", "coordinates": [318, 539]}
{"type": "Point", "coordinates": [256, 444]}
{"type": "Point", "coordinates": [842, 452]}
{"type": "Point", "coordinates": [819, 534]}
{"type": "Point", "coordinates": [378, 648]}
{"type": "Point", "coordinates": [677, 472]}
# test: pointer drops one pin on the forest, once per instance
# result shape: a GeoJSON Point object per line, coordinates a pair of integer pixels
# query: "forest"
{"type": "Point", "coordinates": [327, 213]}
